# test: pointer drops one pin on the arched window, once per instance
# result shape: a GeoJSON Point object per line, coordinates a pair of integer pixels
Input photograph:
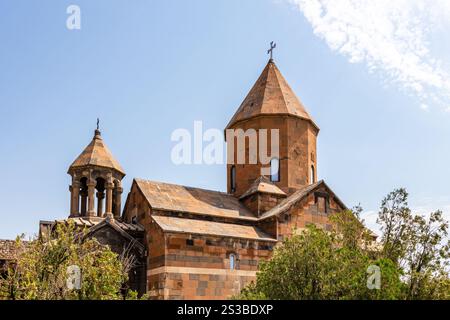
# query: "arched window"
{"type": "Point", "coordinates": [232, 261]}
{"type": "Point", "coordinates": [275, 170]}
{"type": "Point", "coordinates": [233, 178]}
{"type": "Point", "coordinates": [313, 175]}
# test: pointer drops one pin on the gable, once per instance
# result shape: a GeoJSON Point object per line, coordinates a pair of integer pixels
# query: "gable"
{"type": "Point", "coordinates": [115, 237]}
{"type": "Point", "coordinates": [116, 234]}
{"type": "Point", "coordinates": [317, 188]}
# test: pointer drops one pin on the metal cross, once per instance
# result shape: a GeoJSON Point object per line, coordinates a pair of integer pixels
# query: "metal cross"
{"type": "Point", "coordinates": [98, 123]}
{"type": "Point", "coordinates": [273, 45]}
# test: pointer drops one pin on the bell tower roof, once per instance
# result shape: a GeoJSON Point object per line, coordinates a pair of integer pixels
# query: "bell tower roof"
{"type": "Point", "coordinates": [97, 154]}
{"type": "Point", "coordinates": [270, 95]}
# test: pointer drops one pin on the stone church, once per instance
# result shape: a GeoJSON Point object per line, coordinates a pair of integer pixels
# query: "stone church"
{"type": "Point", "coordinates": [193, 243]}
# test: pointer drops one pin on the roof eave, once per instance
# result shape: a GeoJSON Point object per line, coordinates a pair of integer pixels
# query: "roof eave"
{"type": "Point", "coordinates": [87, 166]}
{"type": "Point", "coordinates": [211, 234]}
{"type": "Point", "coordinates": [233, 123]}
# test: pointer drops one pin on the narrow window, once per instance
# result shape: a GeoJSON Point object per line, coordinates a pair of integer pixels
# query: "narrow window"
{"type": "Point", "coordinates": [233, 178]}
{"type": "Point", "coordinates": [189, 242]}
{"type": "Point", "coordinates": [313, 175]}
{"type": "Point", "coordinates": [321, 205]}
{"type": "Point", "coordinates": [232, 261]}
{"type": "Point", "coordinates": [275, 170]}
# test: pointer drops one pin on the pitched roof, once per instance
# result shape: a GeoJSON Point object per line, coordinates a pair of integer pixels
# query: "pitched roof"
{"type": "Point", "coordinates": [122, 228]}
{"type": "Point", "coordinates": [271, 94]}
{"type": "Point", "coordinates": [263, 185]}
{"type": "Point", "coordinates": [94, 221]}
{"type": "Point", "coordinates": [128, 230]}
{"type": "Point", "coordinates": [97, 154]}
{"type": "Point", "coordinates": [180, 225]}
{"type": "Point", "coordinates": [287, 203]}
{"type": "Point", "coordinates": [172, 197]}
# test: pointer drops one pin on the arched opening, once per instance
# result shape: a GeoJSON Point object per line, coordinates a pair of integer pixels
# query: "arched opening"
{"type": "Point", "coordinates": [275, 170]}
{"type": "Point", "coordinates": [233, 178]}
{"type": "Point", "coordinates": [100, 196]}
{"type": "Point", "coordinates": [83, 196]}
{"type": "Point", "coordinates": [232, 259]}
{"type": "Point", "coordinates": [313, 175]}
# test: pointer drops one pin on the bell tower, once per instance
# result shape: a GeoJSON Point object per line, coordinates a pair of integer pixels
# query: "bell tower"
{"type": "Point", "coordinates": [272, 105]}
{"type": "Point", "coordinates": [96, 187]}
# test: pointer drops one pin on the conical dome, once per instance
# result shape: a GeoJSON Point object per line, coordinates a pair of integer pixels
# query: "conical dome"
{"type": "Point", "coordinates": [96, 154]}
{"type": "Point", "coordinates": [270, 95]}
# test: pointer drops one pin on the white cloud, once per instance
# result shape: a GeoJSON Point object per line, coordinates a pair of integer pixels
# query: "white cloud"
{"type": "Point", "coordinates": [424, 107]}
{"type": "Point", "coordinates": [392, 37]}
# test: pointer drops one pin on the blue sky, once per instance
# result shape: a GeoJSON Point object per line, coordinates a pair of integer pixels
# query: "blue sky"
{"type": "Point", "coordinates": [374, 77]}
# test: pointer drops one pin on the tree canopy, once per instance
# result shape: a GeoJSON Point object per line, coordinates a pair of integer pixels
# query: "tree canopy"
{"type": "Point", "coordinates": [43, 268]}
{"type": "Point", "coordinates": [411, 257]}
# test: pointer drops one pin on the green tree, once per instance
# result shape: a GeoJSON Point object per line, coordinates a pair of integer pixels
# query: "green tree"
{"type": "Point", "coordinates": [349, 230]}
{"type": "Point", "coordinates": [317, 264]}
{"type": "Point", "coordinates": [41, 269]}
{"type": "Point", "coordinates": [395, 219]}
{"type": "Point", "coordinates": [412, 256]}
{"type": "Point", "coordinates": [418, 245]}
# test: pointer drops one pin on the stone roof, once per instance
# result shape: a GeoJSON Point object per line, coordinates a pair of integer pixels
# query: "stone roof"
{"type": "Point", "coordinates": [297, 196]}
{"type": "Point", "coordinates": [270, 95]}
{"type": "Point", "coordinates": [177, 198]}
{"type": "Point", "coordinates": [191, 226]}
{"type": "Point", "coordinates": [131, 231]}
{"type": "Point", "coordinates": [93, 221]}
{"type": "Point", "coordinates": [96, 154]}
{"type": "Point", "coordinates": [263, 185]}
{"type": "Point", "coordinates": [7, 249]}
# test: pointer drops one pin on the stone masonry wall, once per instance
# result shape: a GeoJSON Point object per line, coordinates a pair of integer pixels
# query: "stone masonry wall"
{"type": "Point", "coordinates": [198, 267]}
{"type": "Point", "coordinates": [315, 208]}
{"type": "Point", "coordinates": [247, 173]}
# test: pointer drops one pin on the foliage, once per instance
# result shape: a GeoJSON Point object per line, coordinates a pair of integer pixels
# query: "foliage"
{"type": "Point", "coordinates": [419, 245]}
{"type": "Point", "coordinates": [40, 271]}
{"type": "Point", "coordinates": [412, 257]}
{"type": "Point", "coordinates": [394, 217]}
{"type": "Point", "coordinates": [311, 265]}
